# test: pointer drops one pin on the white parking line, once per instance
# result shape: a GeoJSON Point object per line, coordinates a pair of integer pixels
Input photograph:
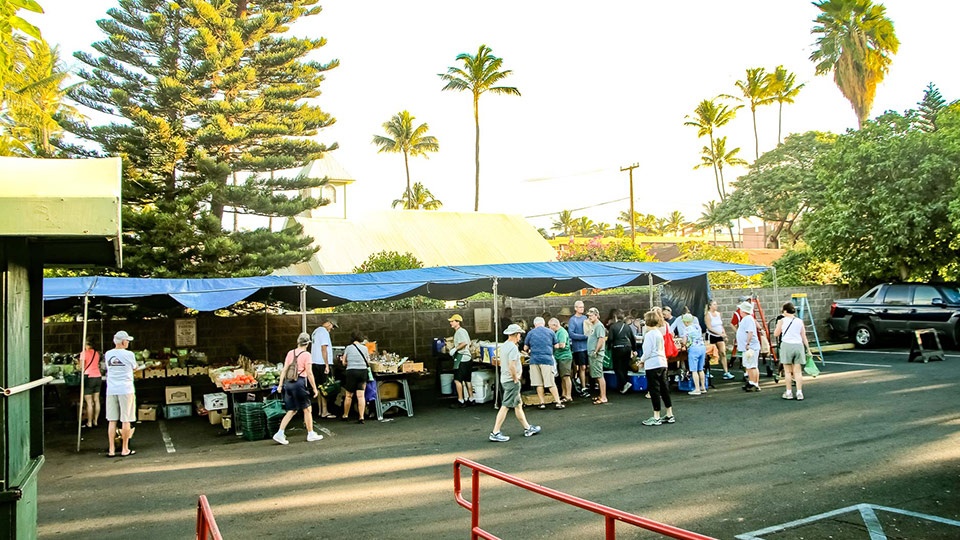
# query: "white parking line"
{"type": "Point", "coordinates": [855, 364]}
{"type": "Point", "coordinates": [898, 353]}
{"type": "Point", "coordinates": [867, 512]}
{"type": "Point", "coordinates": [167, 441]}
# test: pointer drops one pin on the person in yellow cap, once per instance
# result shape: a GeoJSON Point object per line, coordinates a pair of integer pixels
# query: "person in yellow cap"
{"type": "Point", "coordinates": [462, 367]}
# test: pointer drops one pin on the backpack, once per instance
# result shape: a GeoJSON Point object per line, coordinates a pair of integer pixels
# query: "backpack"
{"type": "Point", "coordinates": [292, 375]}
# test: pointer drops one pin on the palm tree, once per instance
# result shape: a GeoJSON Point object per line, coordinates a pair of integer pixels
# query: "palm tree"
{"type": "Point", "coordinates": [625, 217]}
{"type": "Point", "coordinates": [619, 231]}
{"type": "Point", "coordinates": [564, 222]}
{"type": "Point", "coordinates": [404, 137]}
{"type": "Point", "coordinates": [784, 88]}
{"type": "Point", "coordinates": [658, 227]}
{"type": "Point", "coordinates": [418, 198]}
{"type": "Point", "coordinates": [36, 101]}
{"type": "Point", "coordinates": [583, 226]}
{"type": "Point", "coordinates": [601, 228]}
{"type": "Point", "coordinates": [647, 223]}
{"type": "Point", "coordinates": [756, 92]}
{"type": "Point", "coordinates": [717, 157]}
{"type": "Point", "coordinates": [710, 219]}
{"type": "Point", "coordinates": [707, 117]}
{"type": "Point", "coordinates": [855, 41]}
{"type": "Point", "coordinates": [480, 73]}
{"type": "Point", "coordinates": [675, 222]}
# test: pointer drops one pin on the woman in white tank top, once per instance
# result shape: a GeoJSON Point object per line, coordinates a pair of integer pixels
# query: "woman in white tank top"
{"type": "Point", "coordinates": [716, 334]}
{"type": "Point", "coordinates": [793, 349]}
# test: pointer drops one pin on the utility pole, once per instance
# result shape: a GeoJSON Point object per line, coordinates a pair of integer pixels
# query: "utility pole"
{"type": "Point", "coordinates": [633, 232]}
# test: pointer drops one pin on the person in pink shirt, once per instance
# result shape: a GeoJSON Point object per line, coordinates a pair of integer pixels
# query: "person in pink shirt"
{"type": "Point", "coordinates": [92, 383]}
{"type": "Point", "coordinates": [296, 395]}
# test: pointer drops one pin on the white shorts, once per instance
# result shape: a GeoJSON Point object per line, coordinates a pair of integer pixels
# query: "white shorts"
{"type": "Point", "coordinates": [750, 359]}
{"type": "Point", "coordinates": [541, 375]}
{"type": "Point", "coordinates": [122, 408]}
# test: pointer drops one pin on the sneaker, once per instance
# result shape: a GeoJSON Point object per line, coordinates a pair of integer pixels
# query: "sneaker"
{"type": "Point", "coordinates": [626, 388]}
{"type": "Point", "coordinates": [652, 421]}
{"type": "Point", "coordinates": [799, 396]}
{"type": "Point", "coordinates": [728, 376]}
{"type": "Point", "coordinates": [498, 437]}
{"type": "Point", "coordinates": [754, 388]}
{"type": "Point", "coordinates": [313, 436]}
{"type": "Point", "coordinates": [693, 393]}
{"type": "Point", "coordinates": [789, 395]}
{"type": "Point", "coordinates": [669, 419]}
{"type": "Point", "coordinates": [531, 431]}
{"type": "Point", "coordinates": [280, 438]}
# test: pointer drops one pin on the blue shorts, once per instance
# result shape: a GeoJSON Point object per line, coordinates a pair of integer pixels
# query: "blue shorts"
{"type": "Point", "coordinates": [295, 395]}
{"type": "Point", "coordinates": [696, 357]}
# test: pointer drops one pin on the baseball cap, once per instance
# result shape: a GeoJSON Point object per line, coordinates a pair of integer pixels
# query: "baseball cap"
{"type": "Point", "coordinates": [333, 322]}
{"type": "Point", "coordinates": [303, 338]}
{"type": "Point", "coordinates": [122, 336]}
{"type": "Point", "coordinates": [456, 317]}
{"type": "Point", "coordinates": [511, 330]}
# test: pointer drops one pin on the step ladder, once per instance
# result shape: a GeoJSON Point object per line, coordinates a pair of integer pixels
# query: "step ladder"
{"type": "Point", "coordinates": [762, 329]}
{"type": "Point", "coordinates": [800, 301]}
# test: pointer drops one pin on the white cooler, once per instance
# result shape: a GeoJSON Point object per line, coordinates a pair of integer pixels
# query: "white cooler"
{"type": "Point", "coordinates": [483, 385]}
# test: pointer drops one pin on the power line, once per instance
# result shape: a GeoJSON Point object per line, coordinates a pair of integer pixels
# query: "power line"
{"type": "Point", "coordinates": [579, 209]}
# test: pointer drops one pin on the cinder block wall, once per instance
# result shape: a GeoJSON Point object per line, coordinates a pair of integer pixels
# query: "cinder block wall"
{"type": "Point", "coordinates": [407, 333]}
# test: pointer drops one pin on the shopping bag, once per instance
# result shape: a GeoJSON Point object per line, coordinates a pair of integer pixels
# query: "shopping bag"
{"type": "Point", "coordinates": [810, 368]}
{"type": "Point", "coordinates": [370, 392]}
{"type": "Point", "coordinates": [607, 359]}
{"type": "Point", "coordinates": [670, 349]}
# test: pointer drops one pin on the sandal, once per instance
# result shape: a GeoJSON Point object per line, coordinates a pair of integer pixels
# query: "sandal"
{"type": "Point", "coordinates": [598, 401]}
{"type": "Point", "coordinates": [132, 452]}
{"type": "Point", "coordinates": [328, 415]}
{"type": "Point", "coordinates": [542, 406]}
{"type": "Point", "coordinates": [559, 406]}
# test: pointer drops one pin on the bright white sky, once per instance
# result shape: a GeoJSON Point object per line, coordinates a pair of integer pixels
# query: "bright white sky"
{"type": "Point", "coordinates": [604, 84]}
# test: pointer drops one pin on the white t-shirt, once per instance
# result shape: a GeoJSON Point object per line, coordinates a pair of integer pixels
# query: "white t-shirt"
{"type": "Point", "coordinates": [653, 356]}
{"type": "Point", "coordinates": [792, 330]}
{"type": "Point", "coordinates": [747, 324]}
{"type": "Point", "coordinates": [509, 353]}
{"type": "Point", "coordinates": [320, 338]}
{"type": "Point", "coordinates": [121, 364]}
{"type": "Point", "coordinates": [461, 336]}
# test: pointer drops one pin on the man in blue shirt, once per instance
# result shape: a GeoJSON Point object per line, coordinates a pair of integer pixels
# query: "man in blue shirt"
{"type": "Point", "coordinates": [540, 343]}
{"type": "Point", "coordinates": [578, 344]}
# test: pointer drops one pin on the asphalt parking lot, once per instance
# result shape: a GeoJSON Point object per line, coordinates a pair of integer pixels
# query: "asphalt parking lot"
{"type": "Point", "coordinates": [872, 452]}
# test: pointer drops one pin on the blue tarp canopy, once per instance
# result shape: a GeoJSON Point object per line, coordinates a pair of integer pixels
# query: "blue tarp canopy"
{"type": "Point", "coordinates": [521, 280]}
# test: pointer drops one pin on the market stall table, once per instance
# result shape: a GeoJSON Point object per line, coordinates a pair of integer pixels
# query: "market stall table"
{"type": "Point", "coordinates": [405, 401]}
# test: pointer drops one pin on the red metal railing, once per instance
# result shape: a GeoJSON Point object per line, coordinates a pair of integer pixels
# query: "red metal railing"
{"type": "Point", "coordinates": [610, 515]}
{"type": "Point", "coordinates": [206, 525]}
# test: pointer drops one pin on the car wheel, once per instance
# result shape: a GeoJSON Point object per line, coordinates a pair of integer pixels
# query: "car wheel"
{"type": "Point", "coordinates": [863, 335]}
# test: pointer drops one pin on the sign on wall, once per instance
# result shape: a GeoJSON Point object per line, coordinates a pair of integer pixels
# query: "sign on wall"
{"type": "Point", "coordinates": [185, 331]}
{"type": "Point", "coordinates": [482, 320]}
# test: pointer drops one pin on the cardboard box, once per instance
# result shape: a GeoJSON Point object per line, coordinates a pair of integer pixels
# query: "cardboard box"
{"type": "Point", "coordinates": [411, 367]}
{"type": "Point", "coordinates": [216, 401]}
{"type": "Point", "coordinates": [181, 410]}
{"type": "Point", "coordinates": [178, 394]}
{"type": "Point", "coordinates": [215, 418]}
{"type": "Point", "coordinates": [147, 413]}
{"type": "Point", "coordinates": [176, 372]}
{"type": "Point", "coordinates": [530, 398]}
{"type": "Point", "coordinates": [154, 373]}
{"type": "Point", "coordinates": [193, 371]}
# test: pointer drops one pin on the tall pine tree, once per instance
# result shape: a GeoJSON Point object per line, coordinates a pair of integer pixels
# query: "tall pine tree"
{"type": "Point", "coordinates": [929, 108]}
{"type": "Point", "coordinates": [209, 98]}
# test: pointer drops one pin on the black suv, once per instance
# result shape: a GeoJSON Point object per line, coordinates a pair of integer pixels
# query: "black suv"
{"type": "Point", "coordinates": [898, 308]}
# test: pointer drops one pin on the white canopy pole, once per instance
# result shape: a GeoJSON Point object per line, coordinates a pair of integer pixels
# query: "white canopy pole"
{"type": "Point", "coordinates": [303, 308]}
{"type": "Point", "coordinates": [496, 339]}
{"type": "Point", "coordinates": [82, 366]}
